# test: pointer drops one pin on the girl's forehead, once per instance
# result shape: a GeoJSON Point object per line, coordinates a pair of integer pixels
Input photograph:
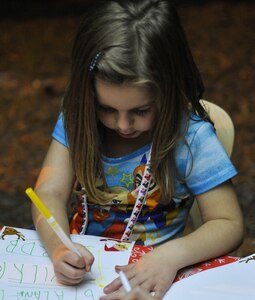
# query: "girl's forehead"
{"type": "Point", "coordinates": [125, 95]}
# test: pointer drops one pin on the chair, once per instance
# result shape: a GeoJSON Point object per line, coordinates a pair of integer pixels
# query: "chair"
{"type": "Point", "coordinates": [225, 132]}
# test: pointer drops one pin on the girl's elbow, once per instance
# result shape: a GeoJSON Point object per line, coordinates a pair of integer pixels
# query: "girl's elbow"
{"type": "Point", "coordinates": [238, 232]}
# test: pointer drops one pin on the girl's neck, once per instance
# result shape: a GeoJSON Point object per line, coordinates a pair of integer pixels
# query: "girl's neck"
{"type": "Point", "coordinates": [116, 146]}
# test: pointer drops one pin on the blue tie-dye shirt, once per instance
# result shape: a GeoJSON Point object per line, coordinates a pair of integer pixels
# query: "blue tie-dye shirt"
{"type": "Point", "coordinates": [204, 165]}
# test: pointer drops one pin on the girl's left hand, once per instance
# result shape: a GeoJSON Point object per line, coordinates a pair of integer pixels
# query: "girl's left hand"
{"type": "Point", "coordinates": [152, 272]}
{"type": "Point", "coordinates": [139, 294]}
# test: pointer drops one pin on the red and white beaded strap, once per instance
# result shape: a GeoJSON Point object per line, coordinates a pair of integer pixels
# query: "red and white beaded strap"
{"type": "Point", "coordinates": [141, 197]}
{"type": "Point", "coordinates": [85, 214]}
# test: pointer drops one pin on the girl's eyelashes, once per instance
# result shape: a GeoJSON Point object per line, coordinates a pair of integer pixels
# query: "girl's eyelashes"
{"type": "Point", "coordinates": [106, 109]}
{"type": "Point", "coordinates": [141, 112]}
{"type": "Point", "coordinates": [109, 110]}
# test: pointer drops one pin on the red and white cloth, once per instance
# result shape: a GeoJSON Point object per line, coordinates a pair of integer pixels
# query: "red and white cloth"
{"type": "Point", "coordinates": [139, 251]}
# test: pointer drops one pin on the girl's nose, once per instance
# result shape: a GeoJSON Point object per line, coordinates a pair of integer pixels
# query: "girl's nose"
{"type": "Point", "coordinates": [123, 122]}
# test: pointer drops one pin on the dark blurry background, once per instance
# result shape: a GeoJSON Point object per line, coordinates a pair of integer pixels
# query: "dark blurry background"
{"type": "Point", "coordinates": [35, 45]}
{"type": "Point", "coordinates": [51, 8]}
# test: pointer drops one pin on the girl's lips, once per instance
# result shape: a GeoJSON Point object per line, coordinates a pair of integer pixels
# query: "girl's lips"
{"type": "Point", "coordinates": [125, 135]}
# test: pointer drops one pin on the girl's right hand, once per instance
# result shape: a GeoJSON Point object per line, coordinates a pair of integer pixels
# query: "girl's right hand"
{"type": "Point", "coordinates": [69, 268]}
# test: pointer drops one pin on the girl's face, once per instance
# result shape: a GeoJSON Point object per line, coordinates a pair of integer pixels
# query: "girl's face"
{"type": "Point", "coordinates": [127, 109]}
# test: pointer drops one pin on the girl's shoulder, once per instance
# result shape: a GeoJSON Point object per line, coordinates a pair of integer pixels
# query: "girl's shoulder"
{"type": "Point", "coordinates": [199, 136]}
{"type": "Point", "coordinates": [198, 128]}
{"type": "Point", "coordinates": [201, 158]}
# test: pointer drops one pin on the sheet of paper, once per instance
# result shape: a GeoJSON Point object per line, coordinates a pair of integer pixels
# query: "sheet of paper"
{"type": "Point", "coordinates": [26, 271]}
{"type": "Point", "coordinates": [234, 281]}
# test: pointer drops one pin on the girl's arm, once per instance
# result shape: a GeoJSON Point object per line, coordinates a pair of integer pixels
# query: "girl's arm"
{"type": "Point", "coordinates": [54, 186]}
{"type": "Point", "coordinates": [221, 232]}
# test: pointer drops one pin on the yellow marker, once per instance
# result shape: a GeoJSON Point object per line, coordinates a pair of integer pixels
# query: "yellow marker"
{"type": "Point", "coordinates": [54, 225]}
{"type": "Point", "coordinates": [38, 203]}
{"type": "Point", "coordinates": [51, 220]}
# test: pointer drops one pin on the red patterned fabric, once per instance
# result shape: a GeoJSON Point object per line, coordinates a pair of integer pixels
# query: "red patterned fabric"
{"type": "Point", "coordinates": [139, 251]}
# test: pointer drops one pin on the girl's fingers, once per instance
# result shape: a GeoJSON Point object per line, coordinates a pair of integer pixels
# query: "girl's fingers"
{"type": "Point", "coordinates": [71, 268]}
{"type": "Point", "coordinates": [87, 256]}
{"type": "Point", "coordinates": [118, 295]}
{"type": "Point", "coordinates": [68, 281]}
{"type": "Point", "coordinates": [124, 268]}
{"type": "Point", "coordinates": [113, 286]}
{"type": "Point", "coordinates": [64, 279]}
{"type": "Point", "coordinates": [69, 271]}
{"type": "Point", "coordinates": [138, 294]}
{"type": "Point", "coordinates": [159, 293]}
{"type": "Point", "coordinates": [116, 283]}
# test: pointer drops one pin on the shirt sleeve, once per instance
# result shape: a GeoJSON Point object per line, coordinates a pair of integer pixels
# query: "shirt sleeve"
{"type": "Point", "coordinates": [208, 164]}
{"type": "Point", "coordinates": [59, 133]}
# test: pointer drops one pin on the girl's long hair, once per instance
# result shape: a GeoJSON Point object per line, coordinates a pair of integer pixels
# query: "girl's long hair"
{"type": "Point", "coordinates": [136, 42]}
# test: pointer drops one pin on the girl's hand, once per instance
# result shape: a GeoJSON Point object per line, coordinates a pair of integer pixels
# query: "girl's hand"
{"type": "Point", "coordinates": [70, 269]}
{"type": "Point", "coordinates": [137, 294]}
{"type": "Point", "coordinates": [153, 273]}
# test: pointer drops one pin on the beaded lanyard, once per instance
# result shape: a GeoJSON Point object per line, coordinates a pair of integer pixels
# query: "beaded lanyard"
{"type": "Point", "coordinates": [141, 197]}
{"type": "Point", "coordinates": [140, 200]}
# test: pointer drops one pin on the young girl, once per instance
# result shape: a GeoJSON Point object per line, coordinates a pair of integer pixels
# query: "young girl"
{"type": "Point", "coordinates": [135, 141]}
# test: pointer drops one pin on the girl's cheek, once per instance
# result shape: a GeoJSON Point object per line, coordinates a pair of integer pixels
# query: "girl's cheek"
{"type": "Point", "coordinates": [102, 118]}
{"type": "Point", "coordinates": [108, 122]}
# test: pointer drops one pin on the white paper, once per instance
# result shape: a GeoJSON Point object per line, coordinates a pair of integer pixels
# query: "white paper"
{"type": "Point", "coordinates": [234, 281]}
{"type": "Point", "coordinates": [26, 271]}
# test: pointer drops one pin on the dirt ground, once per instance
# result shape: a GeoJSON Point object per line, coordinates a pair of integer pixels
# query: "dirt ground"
{"type": "Point", "coordinates": [34, 67]}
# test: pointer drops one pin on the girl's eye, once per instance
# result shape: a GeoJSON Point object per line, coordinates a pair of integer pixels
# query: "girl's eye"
{"type": "Point", "coordinates": [142, 112]}
{"type": "Point", "coordinates": [106, 109]}
{"type": "Point", "coordinates": [110, 110]}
